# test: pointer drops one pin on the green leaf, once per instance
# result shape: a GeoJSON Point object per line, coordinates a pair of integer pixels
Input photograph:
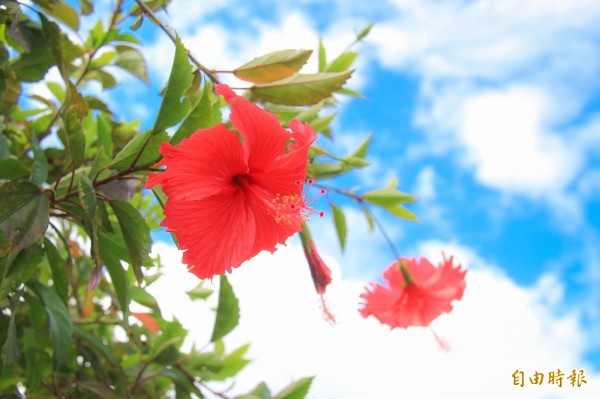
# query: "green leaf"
{"type": "Point", "coordinates": [86, 7]}
{"type": "Point", "coordinates": [64, 13]}
{"type": "Point", "coordinates": [363, 33]}
{"type": "Point", "coordinates": [11, 168]}
{"type": "Point", "coordinates": [273, 66]}
{"type": "Point", "coordinates": [99, 389]}
{"type": "Point", "coordinates": [296, 390]}
{"type": "Point", "coordinates": [72, 136]}
{"type": "Point", "coordinates": [342, 62]}
{"type": "Point", "coordinates": [94, 343]}
{"type": "Point", "coordinates": [148, 146]}
{"type": "Point", "coordinates": [173, 109]}
{"type": "Point", "coordinates": [60, 322]}
{"type": "Point", "coordinates": [4, 147]}
{"type": "Point", "coordinates": [19, 269]}
{"type": "Point", "coordinates": [262, 391]}
{"type": "Point", "coordinates": [362, 149]}
{"type": "Point", "coordinates": [322, 57]}
{"type": "Point", "coordinates": [144, 298]}
{"type": "Point", "coordinates": [401, 212]}
{"type": "Point", "coordinates": [33, 371]}
{"type": "Point", "coordinates": [301, 89]}
{"type": "Point", "coordinates": [228, 311]}
{"type": "Point", "coordinates": [59, 270]}
{"type": "Point", "coordinates": [323, 170]}
{"type": "Point", "coordinates": [24, 212]}
{"type": "Point", "coordinates": [87, 196]}
{"type": "Point", "coordinates": [340, 224]}
{"type": "Point", "coordinates": [131, 59]}
{"type": "Point", "coordinates": [10, 350]}
{"type": "Point", "coordinates": [53, 35]}
{"type": "Point", "coordinates": [31, 67]}
{"type": "Point", "coordinates": [232, 364]}
{"type": "Point", "coordinates": [200, 292]}
{"type": "Point", "coordinates": [40, 164]}
{"type": "Point", "coordinates": [386, 197]}
{"type": "Point", "coordinates": [369, 217]}
{"type": "Point", "coordinates": [181, 381]}
{"type": "Point", "coordinates": [136, 234]}
{"type": "Point", "coordinates": [118, 275]}
{"type": "Point", "coordinates": [205, 113]}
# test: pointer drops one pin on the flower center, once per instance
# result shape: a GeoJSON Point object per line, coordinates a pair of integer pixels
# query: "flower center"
{"type": "Point", "coordinates": [295, 209]}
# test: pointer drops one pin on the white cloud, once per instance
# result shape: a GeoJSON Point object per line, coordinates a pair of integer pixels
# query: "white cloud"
{"type": "Point", "coordinates": [496, 329]}
{"type": "Point", "coordinates": [505, 139]}
{"type": "Point", "coordinates": [500, 80]}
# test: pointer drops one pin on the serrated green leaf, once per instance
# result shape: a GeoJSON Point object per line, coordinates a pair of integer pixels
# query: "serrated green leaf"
{"type": "Point", "coordinates": [24, 212]}
{"type": "Point", "coordinates": [39, 174]}
{"type": "Point", "coordinates": [129, 156]}
{"type": "Point", "coordinates": [11, 168]}
{"type": "Point", "coordinates": [73, 138]}
{"type": "Point", "coordinates": [136, 235]}
{"type": "Point", "coordinates": [228, 310]}
{"type": "Point", "coordinates": [204, 114]}
{"type": "Point", "coordinates": [339, 221]}
{"type": "Point", "coordinates": [131, 59]}
{"type": "Point", "coordinates": [59, 270]}
{"type": "Point", "coordinates": [32, 67]}
{"type": "Point", "coordinates": [301, 89]}
{"type": "Point", "coordinates": [273, 66]}
{"type": "Point", "coordinates": [200, 292]}
{"type": "Point", "coordinates": [61, 326]}
{"type": "Point", "coordinates": [172, 108]}
{"type": "Point", "coordinates": [296, 390]}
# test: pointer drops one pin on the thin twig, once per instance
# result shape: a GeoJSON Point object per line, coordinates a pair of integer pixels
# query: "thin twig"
{"type": "Point", "coordinates": [361, 201]}
{"type": "Point", "coordinates": [148, 11]}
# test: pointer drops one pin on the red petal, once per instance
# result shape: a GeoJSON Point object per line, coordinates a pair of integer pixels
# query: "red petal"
{"type": "Point", "coordinates": [216, 233]}
{"type": "Point", "coordinates": [211, 157]}
{"type": "Point", "coordinates": [418, 304]}
{"type": "Point", "coordinates": [269, 233]}
{"type": "Point", "coordinates": [264, 138]}
{"type": "Point", "coordinates": [281, 176]}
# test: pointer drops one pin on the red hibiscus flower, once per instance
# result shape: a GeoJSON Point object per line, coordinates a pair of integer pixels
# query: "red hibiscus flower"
{"type": "Point", "coordinates": [416, 294]}
{"type": "Point", "coordinates": [229, 198]}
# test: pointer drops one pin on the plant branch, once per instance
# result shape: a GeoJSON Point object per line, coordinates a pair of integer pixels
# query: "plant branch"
{"type": "Point", "coordinates": [148, 11]}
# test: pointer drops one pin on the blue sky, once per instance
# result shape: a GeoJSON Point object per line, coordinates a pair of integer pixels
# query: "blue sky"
{"type": "Point", "coordinates": [490, 113]}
